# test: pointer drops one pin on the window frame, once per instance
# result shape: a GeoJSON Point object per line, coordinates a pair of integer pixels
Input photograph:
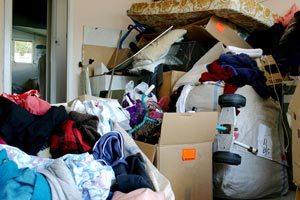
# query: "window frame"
{"type": "Point", "coordinates": [14, 51]}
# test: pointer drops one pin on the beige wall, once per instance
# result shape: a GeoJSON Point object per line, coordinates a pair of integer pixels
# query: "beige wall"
{"type": "Point", "coordinates": [1, 43]}
{"type": "Point", "coordinates": [109, 14]}
{"type": "Point", "coordinates": [280, 6]}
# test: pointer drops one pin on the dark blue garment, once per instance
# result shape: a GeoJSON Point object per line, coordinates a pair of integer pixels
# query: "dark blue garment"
{"type": "Point", "coordinates": [132, 176]}
{"type": "Point", "coordinates": [247, 73]}
{"type": "Point", "coordinates": [28, 132]}
{"type": "Point", "coordinates": [21, 184]}
{"type": "Point", "coordinates": [109, 149]}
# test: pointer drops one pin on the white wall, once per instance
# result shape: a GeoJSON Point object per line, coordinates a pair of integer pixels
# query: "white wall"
{"type": "Point", "coordinates": [109, 14]}
{"type": "Point", "coordinates": [281, 7]}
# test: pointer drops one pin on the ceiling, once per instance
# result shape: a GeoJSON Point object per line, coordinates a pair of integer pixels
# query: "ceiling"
{"type": "Point", "coordinates": [30, 13]}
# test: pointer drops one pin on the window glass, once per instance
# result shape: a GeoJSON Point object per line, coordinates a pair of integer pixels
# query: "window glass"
{"type": "Point", "coordinates": [23, 52]}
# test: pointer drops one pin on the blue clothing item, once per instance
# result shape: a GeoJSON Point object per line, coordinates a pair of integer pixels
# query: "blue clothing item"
{"type": "Point", "coordinates": [109, 149]}
{"type": "Point", "coordinates": [247, 73]}
{"type": "Point", "coordinates": [133, 176]}
{"type": "Point", "coordinates": [21, 184]}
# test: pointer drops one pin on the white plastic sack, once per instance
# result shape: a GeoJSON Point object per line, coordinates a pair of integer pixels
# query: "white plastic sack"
{"type": "Point", "coordinates": [258, 122]}
{"type": "Point", "coordinates": [258, 176]}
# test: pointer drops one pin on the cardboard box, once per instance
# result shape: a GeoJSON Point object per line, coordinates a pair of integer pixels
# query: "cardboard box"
{"type": "Point", "coordinates": [169, 80]}
{"type": "Point", "coordinates": [148, 149]}
{"type": "Point", "coordinates": [294, 111]}
{"type": "Point", "coordinates": [268, 65]}
{"type": "Point", "coordinates": [184, 153]}
{"type": "Point", "coordinates": [105, 55]}
{"type": "Point", "coordinates": [297, 194]}
{"type": "Point", "coordinates": [101, 83]}
{"type": "Point", "coordinates": [216, 29]}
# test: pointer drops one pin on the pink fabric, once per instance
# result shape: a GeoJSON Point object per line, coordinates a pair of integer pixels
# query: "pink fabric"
{"type": "Point", "coordinates": [285, 20]}
{"type": "Point", "coordinates": [140, 194]}
{"type": "Point", "coordinates": [36, 105]}
{"type": "Point", "coordinates": [30, 101]}
{"type": "Point", "coordinates": [2, 141]}
{"type": "Point", "coordinates": [18, 98]}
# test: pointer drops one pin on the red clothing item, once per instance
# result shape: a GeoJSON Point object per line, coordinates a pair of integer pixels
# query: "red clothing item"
{"type": "Point", "coordinates": [219, 73]}
{"type": "Point", "coordinates": [2, 141]}
{"type": "Point", "coordinates": [36, 105]}
{"type": "Point", "coordinates": [68, 140]}
{"type": "Point", "coordinates": [216, 73]}
{"type": "Point", "coordinates": [30, 101]}
{"type": "Point", "coordinates": [287, 18]}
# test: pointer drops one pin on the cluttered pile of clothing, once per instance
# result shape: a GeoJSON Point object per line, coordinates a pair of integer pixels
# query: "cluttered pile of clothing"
{"type": "Point", "coordinates": [54, 152]}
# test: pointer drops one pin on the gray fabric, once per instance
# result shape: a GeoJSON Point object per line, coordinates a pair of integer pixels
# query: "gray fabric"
{"type": "Point", "coordinates": [61, 181]}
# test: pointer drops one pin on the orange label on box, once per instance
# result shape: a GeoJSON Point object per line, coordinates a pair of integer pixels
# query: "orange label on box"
{"type": "Point", "coordinates": [220, 27]}
{"type": "Point", "coordinates": [188, 154]}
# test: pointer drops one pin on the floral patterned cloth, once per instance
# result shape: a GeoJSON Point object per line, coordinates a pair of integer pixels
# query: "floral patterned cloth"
{"type": "Point", "coordinates": [92, 178]}
{"type": "Point", "coordinates": [160, 15]}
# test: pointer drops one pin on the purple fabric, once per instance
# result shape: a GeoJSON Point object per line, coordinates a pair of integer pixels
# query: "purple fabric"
{"type": "Point", "coordinates": [137, 113]}
{"type": "Point", "coordinates": [110, 150]}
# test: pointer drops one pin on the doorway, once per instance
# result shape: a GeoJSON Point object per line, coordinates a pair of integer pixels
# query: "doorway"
{"type": "Point", "coordinates": [29, 46]}
{"type": "Point", "coordinates": [35, 55]}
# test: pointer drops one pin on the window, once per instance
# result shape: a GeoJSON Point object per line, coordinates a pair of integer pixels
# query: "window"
{"type": "Point", "coordinates": [23, 52]}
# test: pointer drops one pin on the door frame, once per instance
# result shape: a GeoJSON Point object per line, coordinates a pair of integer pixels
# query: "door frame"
{"type": "Point", "coordinates": [7, 75]}
{"type": "Point", "coordinates": [7, 71]}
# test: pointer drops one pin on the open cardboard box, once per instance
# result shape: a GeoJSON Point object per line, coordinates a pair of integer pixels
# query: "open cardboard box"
{"type": "Point", "coordinates": [294, 111]}
{"type": "Point", "coordinates": [208, 32]}
{"type": "Point", "coordinates": [216, 30]}
{"type": "Point", "coordinates": [184, 153]}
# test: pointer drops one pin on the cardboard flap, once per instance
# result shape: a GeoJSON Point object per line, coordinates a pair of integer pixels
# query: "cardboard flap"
{"type": "Point", "coordinates": [188, 128]}
{"type": "Point", "coordinates": [200, 34]}
{"type": "Point", "coordinates": [148, 149]}
{"type": "Point", "coordinates": [295, 101]}
{"type": "Point", "coordinates": [224, 33]}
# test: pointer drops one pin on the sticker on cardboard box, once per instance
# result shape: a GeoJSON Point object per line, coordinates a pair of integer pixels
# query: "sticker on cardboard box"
{"type": "Point", "coordinates": [188, 154]}
{"type": "Point", "coordinates": [264, 143]}
{"type": "Point", "coordinates": [220, 27]}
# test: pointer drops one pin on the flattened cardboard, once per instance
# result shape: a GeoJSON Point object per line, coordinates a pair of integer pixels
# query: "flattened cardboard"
{"type": "Point", "coordinates": [188, 128]}
{"type": "Point", "coordinates": [100, 54]}
{"type": "Point", "coordinates": [169, 80]}
{"type": "Point", "coordinates": [219, 29]}
{"type": "Point", "coordinates": [294, 111]}
{"type": "Point", "coordinates": [118, 56]}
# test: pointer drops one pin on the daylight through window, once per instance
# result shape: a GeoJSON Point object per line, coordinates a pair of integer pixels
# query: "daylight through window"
{"type": "Point", "coordinates": [23, 52]}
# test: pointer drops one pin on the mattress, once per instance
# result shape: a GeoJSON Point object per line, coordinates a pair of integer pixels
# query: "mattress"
{"type": "Point", "coordinates": [247, 14]}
